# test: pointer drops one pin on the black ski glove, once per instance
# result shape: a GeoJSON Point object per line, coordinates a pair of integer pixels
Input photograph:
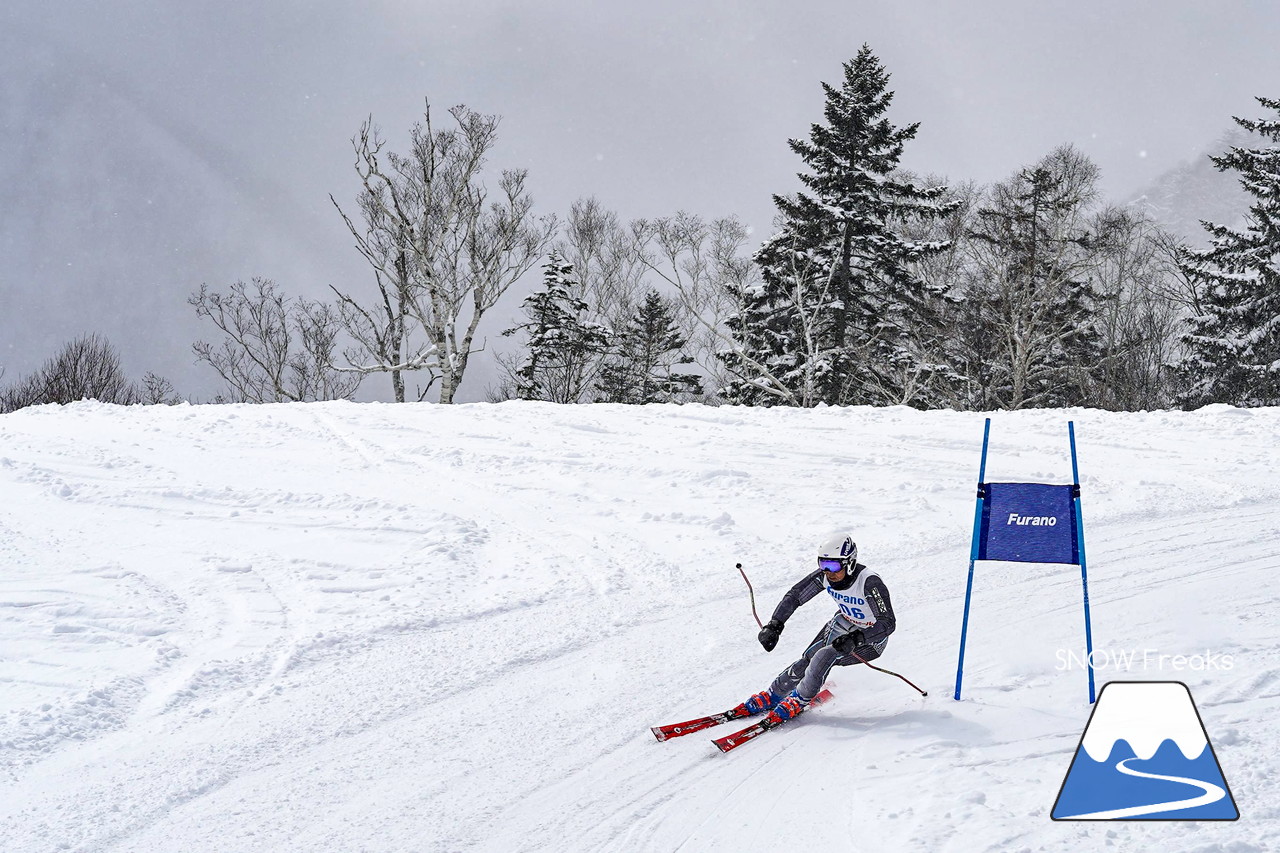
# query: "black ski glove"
{"type": "Point", "coordinates": [846, 643]}
{"type": "Point", "coordinates": [769, 634]}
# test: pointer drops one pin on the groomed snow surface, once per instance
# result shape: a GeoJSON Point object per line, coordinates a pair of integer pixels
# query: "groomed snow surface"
{"type": "Point", "coordinates": [343, 627]}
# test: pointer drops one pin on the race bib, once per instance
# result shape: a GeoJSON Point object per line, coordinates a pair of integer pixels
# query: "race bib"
{"type": "Point", "coordinates": [852, 601]}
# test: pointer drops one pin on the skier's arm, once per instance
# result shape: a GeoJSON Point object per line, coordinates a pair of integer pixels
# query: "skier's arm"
{"type": "Point", "coordinates": [807, 588]}
{"type": "Point", "coordinates": [878, 600]}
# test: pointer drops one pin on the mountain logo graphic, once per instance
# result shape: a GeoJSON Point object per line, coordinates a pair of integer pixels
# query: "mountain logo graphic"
{"type": "Point", "coordinates": [1145, 755]}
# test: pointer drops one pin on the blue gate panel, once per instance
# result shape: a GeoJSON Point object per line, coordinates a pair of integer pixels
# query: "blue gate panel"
{"type": "Point", "coordinates": [1028, 523]}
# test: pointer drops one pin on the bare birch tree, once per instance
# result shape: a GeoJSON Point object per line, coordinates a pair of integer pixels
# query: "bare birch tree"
{"type": "Point", "coordinates": [386, 334]}
{"type": "Point", "coordinates": [442, 247]}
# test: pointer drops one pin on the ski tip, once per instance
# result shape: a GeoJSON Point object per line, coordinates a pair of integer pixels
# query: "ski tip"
{"type": "Point", "coordinates": [657, 732]}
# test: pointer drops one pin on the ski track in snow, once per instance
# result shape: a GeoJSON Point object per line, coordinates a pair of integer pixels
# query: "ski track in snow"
{"type": "Point", "coordinates": [421, 628]}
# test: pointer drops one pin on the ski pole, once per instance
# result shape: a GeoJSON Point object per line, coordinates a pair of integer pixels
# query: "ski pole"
{"type": "Point", "coordinates": [753, 596]}
{"type": "Point", "coordinates": [888, 672]}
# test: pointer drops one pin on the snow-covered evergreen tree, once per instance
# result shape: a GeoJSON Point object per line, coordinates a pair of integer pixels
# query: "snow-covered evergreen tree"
{"type": "Point", "coordinates": [838, 295]}
{"type": "Point", "coordinates": [562, 344]}
{"type": "Point", "coordinates": [1233, 347]}
{"type": "Point", "coordinates": [641, 366]}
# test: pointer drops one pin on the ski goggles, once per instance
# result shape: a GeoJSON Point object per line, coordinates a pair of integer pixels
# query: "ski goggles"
{"type": "Point", "coordinates": [832, 564]}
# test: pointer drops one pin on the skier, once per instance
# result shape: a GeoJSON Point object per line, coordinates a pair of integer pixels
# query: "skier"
{"type": "Point", "coordinates": [860, 627]}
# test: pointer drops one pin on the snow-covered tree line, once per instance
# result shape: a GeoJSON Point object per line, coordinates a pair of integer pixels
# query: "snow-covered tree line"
{"type": "Point", "coordinates": [883, 288]}
{"type": "Point", "coordinates": [878, 286]}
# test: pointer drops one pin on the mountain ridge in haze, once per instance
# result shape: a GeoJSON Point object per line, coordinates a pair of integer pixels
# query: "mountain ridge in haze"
{"type": "Point", "coordinates": [1196, 190]}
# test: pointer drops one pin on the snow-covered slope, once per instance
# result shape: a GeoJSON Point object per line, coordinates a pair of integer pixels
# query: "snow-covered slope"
{"type": "Point", "coordinates": [340, 627]}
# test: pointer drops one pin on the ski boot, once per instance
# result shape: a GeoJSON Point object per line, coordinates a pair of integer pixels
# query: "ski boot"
{"type": "Point", "coordinates": [788, 709]}
{"type": "Point", "coordinates": [757, 704]}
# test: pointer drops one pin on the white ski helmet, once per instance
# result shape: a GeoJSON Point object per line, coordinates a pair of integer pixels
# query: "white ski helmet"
{"type": "Point", "coordinates": [837, 553]}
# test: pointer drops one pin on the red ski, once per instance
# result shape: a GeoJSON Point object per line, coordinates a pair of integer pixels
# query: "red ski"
{"type": "Point", "coordinates": [688, 728]}
{"type": "Point", "coordinates": [754, 730]}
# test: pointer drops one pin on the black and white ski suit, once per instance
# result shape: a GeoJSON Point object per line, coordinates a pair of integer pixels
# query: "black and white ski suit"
{"type": "Point", "coordinates": [864, 605]}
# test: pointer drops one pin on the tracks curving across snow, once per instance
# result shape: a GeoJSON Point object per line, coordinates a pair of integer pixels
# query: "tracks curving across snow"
{"type": "Point", "coordinates": [435, 628]}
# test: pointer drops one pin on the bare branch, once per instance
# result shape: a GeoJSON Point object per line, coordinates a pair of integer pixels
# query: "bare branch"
{"type": "Point", "coordinates": [272, 350]}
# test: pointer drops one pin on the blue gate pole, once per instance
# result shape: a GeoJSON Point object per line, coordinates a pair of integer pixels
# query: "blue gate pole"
{"type": "Point", "coordinates": [973, 553]}
{"type": "Point", "coordinates": [1084, 571]}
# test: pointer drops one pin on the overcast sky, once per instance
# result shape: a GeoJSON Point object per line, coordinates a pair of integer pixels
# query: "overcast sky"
{"type": "Point", "coordinates": [210, 134]}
